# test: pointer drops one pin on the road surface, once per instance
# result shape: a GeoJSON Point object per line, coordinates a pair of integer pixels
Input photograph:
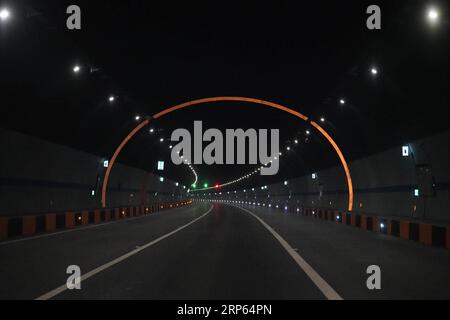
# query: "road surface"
{"type": "Point", "coordinates": [220, 251]}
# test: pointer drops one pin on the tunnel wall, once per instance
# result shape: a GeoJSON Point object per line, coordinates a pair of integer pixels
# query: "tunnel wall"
{"type": "Point", "coordinates": [384, 184]}
{"type": "Point", "coordinates": [39, 176]}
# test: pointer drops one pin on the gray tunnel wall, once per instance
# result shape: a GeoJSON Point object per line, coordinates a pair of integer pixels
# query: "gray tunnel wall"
{"type": "Point", "coordinates": [383, 184]}
{"type": "Point", "coordinates": [39, 176]}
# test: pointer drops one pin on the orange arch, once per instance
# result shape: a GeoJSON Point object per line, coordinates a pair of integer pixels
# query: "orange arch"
{"type": "Point", "coordinates": [240, 99]}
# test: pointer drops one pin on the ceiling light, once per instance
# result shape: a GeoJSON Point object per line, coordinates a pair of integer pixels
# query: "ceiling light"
{"type": "Point", "coordinates": [4, 14]}
{"type": "Point", "coordinates": [433, 15]}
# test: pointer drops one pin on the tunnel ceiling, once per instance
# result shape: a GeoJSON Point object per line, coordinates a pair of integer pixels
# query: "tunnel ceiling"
{"type": "Point", "coordinates": [154, 55]}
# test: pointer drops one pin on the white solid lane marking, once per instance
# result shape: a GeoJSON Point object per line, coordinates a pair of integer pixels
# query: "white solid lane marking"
{"type": "Point", "coordinates": [81, 228]}
{"type": "Point", "coordinates": [107, 265]}
{"type": "Point", "coordinates": [320, 283]}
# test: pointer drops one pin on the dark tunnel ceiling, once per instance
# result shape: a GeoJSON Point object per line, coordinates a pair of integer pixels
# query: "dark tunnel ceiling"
{"type": "Point", "coordinates": [154, 55]}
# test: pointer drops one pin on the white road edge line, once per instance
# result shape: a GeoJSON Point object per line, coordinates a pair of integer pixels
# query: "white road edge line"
{"type": "Point", "coordinates": [320, 283]}
{"type": "Point", "coordinates": [107, 265]}
{"type": "Point", "coordinates": [81, 228]}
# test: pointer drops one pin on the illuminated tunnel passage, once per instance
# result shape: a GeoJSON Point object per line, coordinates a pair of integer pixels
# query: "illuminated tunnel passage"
{"type": "Point", "coordinates": [93, 205]}
{"type": "Point", "coordinates": [239, 99]}
{"type": "Point", "coordinates": [269, 241]}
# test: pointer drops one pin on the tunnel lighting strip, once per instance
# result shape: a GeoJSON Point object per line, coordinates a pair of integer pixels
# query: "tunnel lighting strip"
{"type": "Point", "coordinates": [240, 99]}
{"type": "Point", "coordinates": [186, 162]}
{"type": "Point", "coordinates": [119, 149]}
{"type": "Point", "coordinates": [247, 176]}
{"type": "Point", "coordinates": [193, 171]}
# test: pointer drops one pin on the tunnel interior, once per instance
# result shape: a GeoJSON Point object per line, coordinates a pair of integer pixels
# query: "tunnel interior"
{"type": "Point", "coordinates": [288, 151]}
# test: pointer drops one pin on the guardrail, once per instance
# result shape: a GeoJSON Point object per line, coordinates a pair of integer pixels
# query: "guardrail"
{"type": "Point", "coordinates": [28, 225]}
{"type": "Point", "coordinates": [427, 233]}
{"type": "Point", "coordinates": [422, 232]}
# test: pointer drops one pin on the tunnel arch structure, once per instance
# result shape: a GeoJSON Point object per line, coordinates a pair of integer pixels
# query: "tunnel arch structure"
{"type": "Point", "coordinates": [226, 98]}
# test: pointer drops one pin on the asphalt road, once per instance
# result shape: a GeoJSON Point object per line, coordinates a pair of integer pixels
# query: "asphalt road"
{"type": "Point", "coordinates": [220, 251]}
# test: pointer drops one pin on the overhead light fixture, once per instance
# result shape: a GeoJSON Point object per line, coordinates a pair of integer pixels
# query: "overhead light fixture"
{"type": "Point", "coordinates": [151, 130]}
{"type": "Point", "coordinates": [111, 98]}
{"type": "Point", "coordinates": [4, 14]}
{"type": "Point", "coordinates": [374, 71]}
{"type": "Point", "coordinates": [341, 102]}
{"type": "Point", "coordinates": [137, 118]}
{"type": "Point", "coordinates": [76, 69]}
{"type": "Point", "coordinates": [433, 15]}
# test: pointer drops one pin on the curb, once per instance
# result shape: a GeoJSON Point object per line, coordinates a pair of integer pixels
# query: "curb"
{"type": "Point", "coordinates": [422, 232]}
{"type": "Point", "coordinates": [28, 225]}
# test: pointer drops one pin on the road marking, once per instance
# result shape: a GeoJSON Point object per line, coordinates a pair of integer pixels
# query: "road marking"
{"type": "Point", "coordinates": [85, 227]}
{"type": "Point", "coordinates": [107, 265]}
{"type": "Point", "coordinates": [320, 283]}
